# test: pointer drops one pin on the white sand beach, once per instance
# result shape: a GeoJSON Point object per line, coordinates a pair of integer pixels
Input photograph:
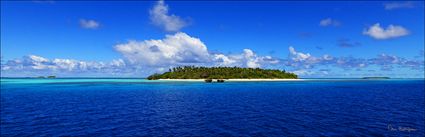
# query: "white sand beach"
{"type": "Point", "coordinates": [232, 80]}
{"type": "Point", "coordinates": [263, 79]}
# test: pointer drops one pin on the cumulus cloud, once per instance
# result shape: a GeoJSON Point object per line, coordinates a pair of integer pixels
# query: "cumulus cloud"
{"type": "Point", "coordinates": [252, 60]}
{"type": "Point", "coordinates": [89, 24]}
{"type": "Point", "coordinates": [305, 61]}
{"type": "Point", "coordinates": [329, 22]}
{"type": "Point", "coordinates": [33, 65]}
{"type": "Point", "coordinates": [399, 5]}
{"type": "Point", "coordinates": [380, 33]}
{"type": "Point", "coordinates": [387, 62]}
{"type": "Point", "coordinates": [247, 58]}
{"type": "Point", "coordinates": [33, 62]}
{"type": "Point", "coordinates": [298, 56]}
{"type": "Point", "coordinates": [223, 60]}
{"type": "Point", "coordinates": [160, 17]}
{"type": "Point", "coordinates": [173, 49]}
{"type": "Point", "coordinates": [181, 49]}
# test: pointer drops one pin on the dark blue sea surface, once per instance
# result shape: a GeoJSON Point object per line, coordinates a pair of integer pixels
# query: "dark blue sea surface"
{"type": "Point", "coordinates": [123, 107]}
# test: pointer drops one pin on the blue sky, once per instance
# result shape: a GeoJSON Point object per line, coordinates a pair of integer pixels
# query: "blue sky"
{"type": "Point", "coordinates": [135, 39]}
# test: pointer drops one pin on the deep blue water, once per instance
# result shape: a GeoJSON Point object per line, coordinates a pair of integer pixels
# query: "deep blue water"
{"type": "Point", "coordinates": [141, 108]}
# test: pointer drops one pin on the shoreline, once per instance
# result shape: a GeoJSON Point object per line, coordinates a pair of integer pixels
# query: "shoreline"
{"type": "Point", "coordinates": [231, 80]}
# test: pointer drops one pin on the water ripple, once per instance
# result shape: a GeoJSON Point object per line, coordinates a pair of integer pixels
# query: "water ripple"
{"type": "Point", "coordinates": [198, 109]}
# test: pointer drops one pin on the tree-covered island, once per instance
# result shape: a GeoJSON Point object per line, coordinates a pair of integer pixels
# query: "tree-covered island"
{"type": "Point", "coordinates": [191, 72]}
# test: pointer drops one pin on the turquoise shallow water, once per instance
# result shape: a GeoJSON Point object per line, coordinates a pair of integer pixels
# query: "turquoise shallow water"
{"type": "Point", "coordinates": [139, 107]}
{"type": "Point", "coordinates": [71, 80]}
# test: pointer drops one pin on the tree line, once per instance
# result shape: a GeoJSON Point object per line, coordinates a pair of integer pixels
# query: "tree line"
{"type": "Point", "coordinates": [192, 72]}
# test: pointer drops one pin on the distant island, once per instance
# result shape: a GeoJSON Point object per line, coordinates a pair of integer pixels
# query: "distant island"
{"type": "Point", "coordinates": [46, 77]}
{"type": "Point", "coordinates": [376, 77]}
{"type": "Point", "coordinates": [220, 73]}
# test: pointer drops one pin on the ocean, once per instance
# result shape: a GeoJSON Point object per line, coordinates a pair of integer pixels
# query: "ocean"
{"type": "Point", "coordinates": [139, 107]}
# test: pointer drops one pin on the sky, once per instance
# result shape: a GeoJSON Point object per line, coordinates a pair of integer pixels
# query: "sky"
{"type": "Point", "coordinates": [139, 38]}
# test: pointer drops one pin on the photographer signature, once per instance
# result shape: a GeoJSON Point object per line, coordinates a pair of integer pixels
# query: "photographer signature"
{"type": "Point", "coordinates": [403, 129]}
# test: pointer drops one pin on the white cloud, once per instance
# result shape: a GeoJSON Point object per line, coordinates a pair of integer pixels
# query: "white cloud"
{"type": "Point", "coordinates": [182, 49]}
{"type": "Point", "coordinates": [392, 31]}
{"type": "Point", "coordinates": [252, 59]}
{"type": "Point", "coordinates": [33, 62]}
{"type": "Point", "coordinates": [303, 72]}
{"type": "Point", "coordinates": [33, 65]}
{"type": "Point", "coordinates": [173, 49]}
{"type": "Point", "coordinates": [223, 60]}
{"type": "Point", "coordinates": [37, 61]}
{"type": "Point", "coordinates": [399, 5]}
{"type": "Point", "coordinates": [329, 22]}
{"type": "Point", "coordinates": [159, 16]}
{"type": "Point", "coordinates": [247, 58]}
{"type": "Point", "coordinates": [304, 60]}
{"type": "Point", "coordinates": [298, 56]}
{"type": "Point", "coordinates": [37, 58]}
{"type": "Point", "coordinates": [89, 24]}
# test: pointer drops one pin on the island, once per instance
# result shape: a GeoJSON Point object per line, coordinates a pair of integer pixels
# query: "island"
{"type": "Point", "coordinates": [376, 77]}
{"type": "Point", "coordinates": [43, 77]}
{"type": "Point", "coordinates": [209, 74]}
